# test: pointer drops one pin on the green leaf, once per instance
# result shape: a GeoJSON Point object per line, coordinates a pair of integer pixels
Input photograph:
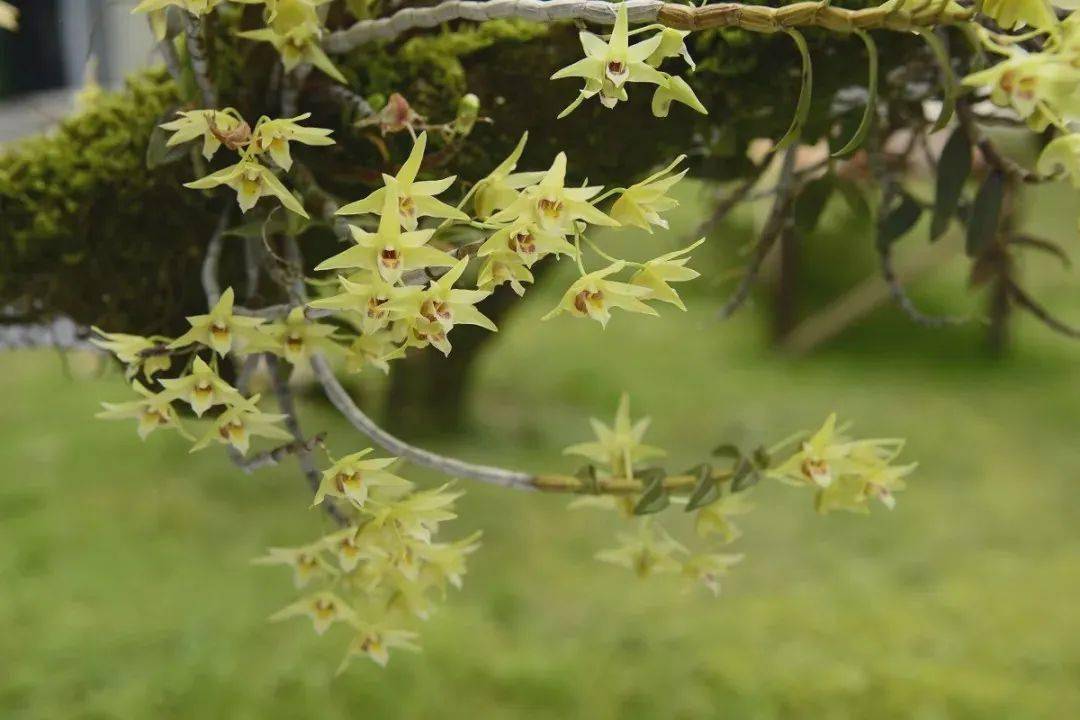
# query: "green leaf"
{"type": "Point", "coordinates": [954, 168]}
{"type": "Point", "coordinates": [898, 221]}
{"type": "Point", "coordinates": [745, 477]}
{"type": "Point", "coordinates": [655, 497]}
{"type": "Point", "coordinates": [761, 458]}
{"type": "Point", "coordinates": [802, 109]}
{"type": "Point", "coordinates": [985, 214]}
{"type": "Point", "coordinates": [869, 114]}
{"type": "Point", "coordinates": [728, 450]}
{"type": "Point", "coordinates": [811, 202]}
{"type": "Point", "coordinates": [949, 86]}
{"type": "Point", "coordinates": [587, 475]}
{"type": "Point", "coordinates": [707, 490]}
{"type": "Point", "coordinates": [158, 153]}
{"type": "Point", "coordinates": [855, 197]}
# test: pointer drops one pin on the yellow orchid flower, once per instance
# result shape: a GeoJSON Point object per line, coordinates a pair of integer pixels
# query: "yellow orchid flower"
{"type": "Point", "coordinates": [1062, 152]}
{"type": "Point", "coordinates": [239, 423]}
{"type": "Point", "coordinates": [135, 351]}
{"type": "Point", "coordinates": [201, 389]}
{"type": "Point", "coordinates": [376, 644]}
{"type": "Point", "coordinates": [528, 240]}
{"type": "Point", "coordinates": [640, 204]}
{"type": "Point", "coordinates": [374, 301]}
{"type": "Point", "coordinates": [608, 66]}
{"type": "Point", "coordinates": [210, 125]}
{"type": "Point", "coordinates": [153, 411]}
{"type": "Point", "coordinates": [593, 296]}
{"type": "Point", "coordinates": [552, 206]}
{"type": "Point", "coordinates": [195, 7]}
{"type": "Point", "coordinates": [414, 199]}
{"type": "Point", "coordinates": [672, 43]}
{"type": "Point", "coordinates": [297, 44]}
{"type": "Point", "coordinates": [418, 514]}
{"type": "Point", "coordinates": [675, 89]}
{"type": "Point", "coordinates": [652, 550]}
{"type": "Point", "coordinates": [444, 306]}
{"type": "Point", "coordinates": [844, 473]}
{"type": "Point", "coordinates": [345, 545]}
{"type": "Point", "coordinates": [9, 16]}
{"type": "Point", "coordinates": [715, 518]}
{"type": "Point", "coordinates": [352, 477]}
{"type": "Point", "coordinates": [618, 447]}
{"type": "Point", "coordinates": [307, 562]}
{"type": "Point", "coordinates": [296, 337]}
{"type": "Point", "coordinates": [273, 7]}
{"type": "Point", "coordinates": [1010, 14]}
{"type": "Point", "coordinates": [389, 251]}
{"type": "Point", "coordinates": [656, 274]}
{"type": "Point", "coordinates": [251, 180]}
{"type": "Point", "coordinates": [504, 266]}
{"type": "Point", "coordinates": [274, 136]}
{"type": "Point", "coordinates": [324, 609]}
{"type": "Point", "coordinates": [500, 188]}
{"type": "Point", "coordinates": [446, 561]}
{"type": "Point", "coordinates": [708, 568]}
{"type": "Point", "coordinates": [1040, 88]}
{"type": "Point", "coordinates": [376, 349]}
{"type": "Point", "coordinates": [220, 329]}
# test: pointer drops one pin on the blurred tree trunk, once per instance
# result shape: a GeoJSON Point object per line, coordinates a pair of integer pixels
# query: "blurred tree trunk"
{"type": "Point", "coordinates": [428, 393]}
{"type": "Point", "coordinates": [786, 298]}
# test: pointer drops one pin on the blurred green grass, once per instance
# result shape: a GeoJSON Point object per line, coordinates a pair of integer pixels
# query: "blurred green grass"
{"type": "Point", "coordinates": [128, 593]}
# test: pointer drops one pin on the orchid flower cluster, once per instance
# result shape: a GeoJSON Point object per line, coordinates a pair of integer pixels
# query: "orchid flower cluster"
{"type": "Point", "coordinates": [610, 65]}
{"type": "Point", "coordinates": [294, 27]}
{"type": "Point", "coordinates": [845, 474]}
{"type": "Point", "coordinates": [384, 567]}
{"type": "Point", "coordinates": [1042, 88]}
{"type": "Point", "coordinates": [252, 177]}
{"type": "Point", "coordinates": [221, 333]}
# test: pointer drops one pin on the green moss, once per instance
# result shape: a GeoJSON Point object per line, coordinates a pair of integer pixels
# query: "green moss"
{"type": "Point", "coordinates": [88, 230]}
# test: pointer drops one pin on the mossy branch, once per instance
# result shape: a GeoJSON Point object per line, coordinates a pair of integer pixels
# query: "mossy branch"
{"type": "Point", "coordinates": [753, 18]}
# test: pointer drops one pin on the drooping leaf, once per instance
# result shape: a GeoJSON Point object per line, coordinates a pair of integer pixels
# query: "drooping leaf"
{"type": "Point", "coordinates": [869, 113]}
{"type": "Point", "coordinates": [954, 168]}
{"type": "Point", "coordinates": [811, 202]}
{"type": "Point", "coordinates": [949, 86]}
{"type": "Point", "coordinates": [985, 214]}
{"type": "Point", "coordinates": [728, 450]}
{"type": "Point", "coordinates": [655, 498]}
{"type": "Point", "coordinates": [855, 197]}
{"type": "Point", "coordinates": [707, 490]}
{"type": "Point", "coordinates": [158, 153]}
{"type": "Point", "coordinates": [898, 220]}
{"type": "Point", "coordinates": [745, 477]}
{"type": "Point", "coordinates": [806, 91]}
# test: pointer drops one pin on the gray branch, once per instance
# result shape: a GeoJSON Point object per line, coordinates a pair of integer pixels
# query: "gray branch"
{"type": "Point", "coordinates": [62, 333]}
{"type": "Point", "coordinates": [200, 66]}
{"type": "Point", "coordinates": [396, 446]}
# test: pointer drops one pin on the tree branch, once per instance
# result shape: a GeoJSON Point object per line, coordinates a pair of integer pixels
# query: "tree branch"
{"type": "Point", "coordinates": [1021, 298]}
{"type": "Point", "coordinates": [395, 446]}
{"type": "Point", "coordinates": [196, 47]}
{"type": "Point", "coordinates": [280, 380]}
{"type": "Point", "coordinates": [774, 225]}
{"type": "Point", "coordinates": [754, 18]}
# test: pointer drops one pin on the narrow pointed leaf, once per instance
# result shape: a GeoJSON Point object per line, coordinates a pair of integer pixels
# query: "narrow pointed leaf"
{"type": "Point", "coordinates": [985, 214]}
{"type": "Point", "coordinates": [655, 497]}
{"type": "Point", "coordinates": [867, 121]}
{"type": "Point", "coordinates": [954, 168]}
{"type": "Point", "coordinates": [802, 109]}
{"type": "Point", "coordinates": [898, 221]}
{"type": "Point", "coordinates": [949, 86]}
{"type": "Point", "coordinates": [707, 490]}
